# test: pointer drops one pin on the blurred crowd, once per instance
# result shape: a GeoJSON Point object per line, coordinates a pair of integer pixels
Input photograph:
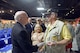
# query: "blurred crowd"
{"type": "Point", "coordinates": [44, 35]}
{"type": "Point", "coordinates": [9, 24]}
{"type": "Point", "coordinates": [40, 26]}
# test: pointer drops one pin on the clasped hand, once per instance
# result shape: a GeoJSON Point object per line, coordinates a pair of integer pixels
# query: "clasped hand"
{"type": "Point", "coordinates": [51, 43]}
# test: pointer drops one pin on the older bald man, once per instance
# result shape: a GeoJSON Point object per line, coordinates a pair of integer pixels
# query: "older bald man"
{"type": "Point", "coordinates": [21, 40]}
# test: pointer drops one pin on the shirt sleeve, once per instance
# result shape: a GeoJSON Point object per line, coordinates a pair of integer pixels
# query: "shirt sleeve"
{"type": "Point", "coordinates": [65, 33]}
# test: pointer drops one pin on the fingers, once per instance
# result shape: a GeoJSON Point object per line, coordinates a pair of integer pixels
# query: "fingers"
{"type": "Point", "coordinates": [51, 43]}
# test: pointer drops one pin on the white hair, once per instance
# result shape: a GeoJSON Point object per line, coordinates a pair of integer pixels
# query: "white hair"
{"type": "Point", "coordinates": [18, 15]}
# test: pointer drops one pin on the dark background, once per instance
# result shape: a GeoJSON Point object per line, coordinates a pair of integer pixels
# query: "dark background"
{"type": "Point", "coordinates": [63, 7]}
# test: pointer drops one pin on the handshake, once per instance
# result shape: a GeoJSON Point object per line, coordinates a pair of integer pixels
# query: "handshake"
{"type": "Point", "coordinates": [41, 44]}
{"type": "Point", "coordinates": [48, 43]}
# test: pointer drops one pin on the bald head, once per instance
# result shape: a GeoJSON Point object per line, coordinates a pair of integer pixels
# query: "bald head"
{"type": "Point", "coordinates": [21, 16]}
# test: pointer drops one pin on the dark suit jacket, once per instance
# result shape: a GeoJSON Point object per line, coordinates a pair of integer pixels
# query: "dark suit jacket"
{"type": "Point", "coordinates": [21, 40]}
{"type": "Point", "coordinates": [29, 28]}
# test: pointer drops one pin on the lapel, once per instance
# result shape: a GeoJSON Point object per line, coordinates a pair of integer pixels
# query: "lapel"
{"type": "Point", "coordinates": [20, 24]}
{"type": "Point", "coordinates": [24, 28]}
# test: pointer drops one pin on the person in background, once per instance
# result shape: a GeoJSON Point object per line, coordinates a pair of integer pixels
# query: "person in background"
{"type": "Point", "coordinates": [39, 21]}
{"type": "Point", "coordinates": [71, 29]}
{"type": "Point", "coordinates": [11, 24]}
{"type": "Point", "coordinates": [37, 36]}
{"type": "Point", "coordinates": [77, 30]}
{"type": "Point", "coordinates": [29, 26]}
{"type": "Point", "coordinates": [74, 43]}
{"type": "Point", "coordinates": [21, 40]}
{"type": "Point", "coordinates": [56, 36]}
{"type": "Point", "coordinates": [1, 25]}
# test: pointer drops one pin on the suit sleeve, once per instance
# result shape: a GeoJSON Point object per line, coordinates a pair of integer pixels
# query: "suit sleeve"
{"type": "Point", "coordinates": [23, 41]}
